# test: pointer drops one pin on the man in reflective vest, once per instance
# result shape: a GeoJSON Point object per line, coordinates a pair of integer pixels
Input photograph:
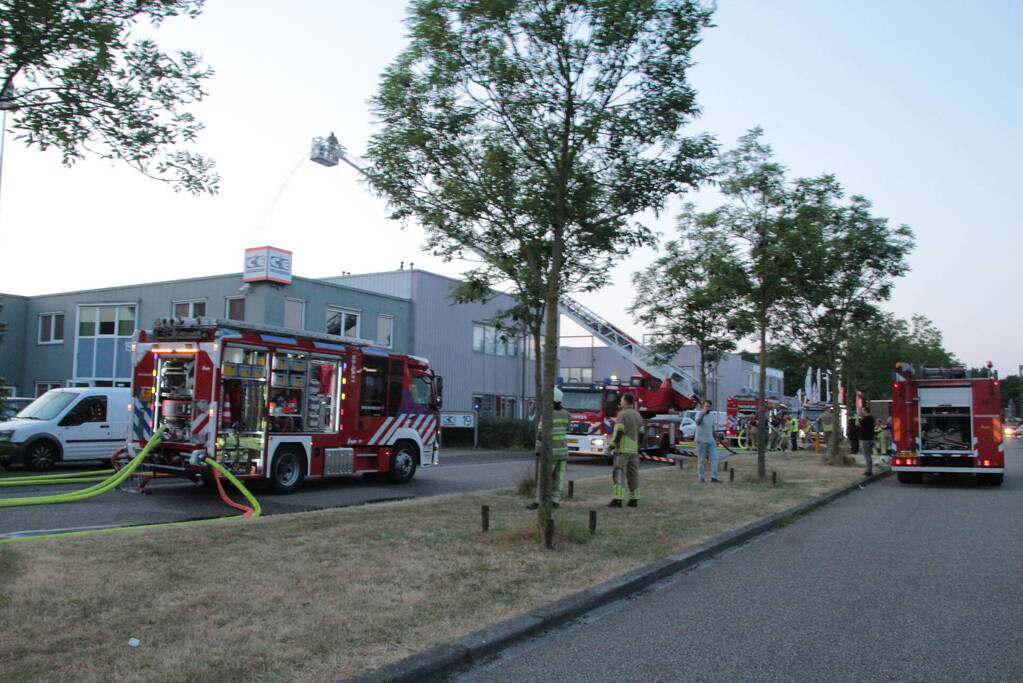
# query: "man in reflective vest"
{"type": "Point", "coordinates": [625, 440]}
{"type": "Point", "coordinates": [793, 423]}
{"type": "Point", "coordinates": [559, 452]}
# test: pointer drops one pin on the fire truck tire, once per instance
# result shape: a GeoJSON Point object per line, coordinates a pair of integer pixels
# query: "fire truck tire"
{"type": "Point", "coordinates": [992, 479]}
{"type": "Point", "coordinates": [288, 471]}
{"type": "Point", "coordinates": [403, 462]}
{"type": "Point", "coordinates": [909, 477]}
{"type": "Point", "coordinates": [41, 455]}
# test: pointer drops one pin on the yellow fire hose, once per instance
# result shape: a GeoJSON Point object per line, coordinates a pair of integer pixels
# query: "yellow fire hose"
{"type": "Point", "coordinates": [93, 490]}
{"type": "Point", "coordinates": [256, 511]}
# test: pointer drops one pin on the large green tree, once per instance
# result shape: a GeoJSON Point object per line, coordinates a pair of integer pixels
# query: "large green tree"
{"type": "Point", "coordinates": [757, 218]}
{"type": "Point", "coordinates": [845, 261]}
{"type": "Point", "coordinates": [74, 78]}
{"type": "Point", "coordinates": [530, 133]}
{"type": "Point", "coordinates": [693, 293]}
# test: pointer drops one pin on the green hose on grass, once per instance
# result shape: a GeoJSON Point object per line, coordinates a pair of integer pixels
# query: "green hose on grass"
{"type": "Point", "coordinates": [93, 490]}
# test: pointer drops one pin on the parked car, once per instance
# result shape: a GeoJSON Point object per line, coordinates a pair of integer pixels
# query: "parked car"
{"type": "Point", "coordinates": [82, 423]}
{"type": "Point", "coordinates": [12, 405]}
{"type": "Point", "coordinates": [688, 424]}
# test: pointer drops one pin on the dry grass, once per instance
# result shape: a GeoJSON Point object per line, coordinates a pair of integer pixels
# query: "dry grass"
{"type": "Point", "coordinates": [325, 595]}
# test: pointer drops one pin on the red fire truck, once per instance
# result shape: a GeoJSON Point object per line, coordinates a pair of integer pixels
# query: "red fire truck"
{"type": "Point", "coordinates": [272, 403]}
{"type": "Point", "coordinates": [656, 396]}
{"type": "Point", "coordinates": [592, 406]}
{"type": "Point", "coordinates": [946, 423]}
{"type": "Point", "coordinates": [741, 409]}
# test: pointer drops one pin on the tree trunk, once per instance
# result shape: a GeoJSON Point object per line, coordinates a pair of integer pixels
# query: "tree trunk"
{"type": "Point", "coordinates": [761, 394]}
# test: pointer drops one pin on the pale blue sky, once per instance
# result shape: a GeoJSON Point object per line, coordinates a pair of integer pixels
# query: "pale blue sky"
{"type": "Point", "coordinates": [912, 103]}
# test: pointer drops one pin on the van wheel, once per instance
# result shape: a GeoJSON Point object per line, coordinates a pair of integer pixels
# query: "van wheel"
{"type": "Point", "coordinates": [40, 456]}
{"type": "Point", "coordinates": [287, 472]}
{"type": "Point", "coordinates": [403, 463]}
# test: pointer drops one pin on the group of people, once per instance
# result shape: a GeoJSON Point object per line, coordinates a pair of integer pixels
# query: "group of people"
{"type": "Point", "coordinates": [865, 433]}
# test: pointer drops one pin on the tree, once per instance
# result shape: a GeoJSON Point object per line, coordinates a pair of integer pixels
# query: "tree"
{"type": "Point", "coordinates": [528, 133]}
{"type": "Point", "coordinates": [757, 218]}
{"type": "Point", "coordinates": [693, 294]}
{"type": "Point", "coordinates": [845, 261]}
{"type": "Point", "coordinates": [75, 81]}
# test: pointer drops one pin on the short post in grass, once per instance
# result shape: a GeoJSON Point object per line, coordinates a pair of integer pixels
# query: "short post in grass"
{"type": "Point", "coordinates": [774, 478]}
{"type": "Point", "coordinates": [485, 513]}
{"type": "Point", "coordinates": [731, 474]}
{"type": "Point", "coordinates": [593, 522]}
{"type": "Point", "coordinates": [548, 534]}
{"type": "Point", "coordinates": [571, 488]}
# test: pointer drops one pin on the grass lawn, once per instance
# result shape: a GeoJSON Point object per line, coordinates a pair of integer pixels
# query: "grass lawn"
{"type": "Point", "coordinates": [322, 596]}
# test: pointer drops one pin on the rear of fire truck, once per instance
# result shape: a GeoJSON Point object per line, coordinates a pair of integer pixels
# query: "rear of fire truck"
{"type": "Point", "coordinates": [944, 423]}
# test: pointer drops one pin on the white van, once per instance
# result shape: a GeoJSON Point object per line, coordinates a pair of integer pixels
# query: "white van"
{"type": "Point", "coordinates": [688, 423]}
{"type": "Point", "coordinates": [88, 423]}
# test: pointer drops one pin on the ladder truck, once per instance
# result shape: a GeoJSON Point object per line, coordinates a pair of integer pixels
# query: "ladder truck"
{"type": "Point", "coordinates": [946, 423]}
{"type": "Point", "coordinates": [659, 387]}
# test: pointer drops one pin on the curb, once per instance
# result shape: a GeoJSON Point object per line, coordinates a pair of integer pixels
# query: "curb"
{"type": "Point", "coordinates": [451, 658]}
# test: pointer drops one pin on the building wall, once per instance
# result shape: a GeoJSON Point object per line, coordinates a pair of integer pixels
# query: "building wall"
{"type": "Point", "coordinates": [264, 303]}
{"type": "Point", "coordinates": [12, 341]}
{"type": "Point", "coordinates": [442, 331]}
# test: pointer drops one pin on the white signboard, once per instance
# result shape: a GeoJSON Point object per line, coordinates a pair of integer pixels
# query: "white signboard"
{"type": "Point", "coordinates": [267, 263]}
{"type": "Point", "coordinates": [462, 420]}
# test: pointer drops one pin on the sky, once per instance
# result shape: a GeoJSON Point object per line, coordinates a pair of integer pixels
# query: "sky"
{"type": "Point", "coordinates": [914, 104]}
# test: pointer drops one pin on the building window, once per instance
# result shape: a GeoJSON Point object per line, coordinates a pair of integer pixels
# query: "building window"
{"type": "Point", "coordinates": [236, 308]}
{"type": "Point", "coordinates": [495, 406]}
{"type": "Point", "coordinates": [385, 328]}
{"type": "Point", "coordinates": [581, 375]}
{"type": "Point", "coordinates": [103, 347]}
{"type": "Point", "coordinates": [294, 314]}
{"type": "Point", "coordinates": [51, 328]}
{"type": "Point", "coordinates": [43, 387]}
{"type": "Point", "coordinates": [189, 309]}
{"type": "Point", "coordinates": [493, 341]}
{"type": "Point", "coordinates": [342, 321]}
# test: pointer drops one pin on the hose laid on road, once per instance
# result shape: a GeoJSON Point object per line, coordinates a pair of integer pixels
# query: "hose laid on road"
{"type": "Point", "coordinates": [91, 491]}
{"type": "Point", "coordinates": [219, 469]}
{"type": "Point", "coordinates": [254, 511]}
{"type": "Point", "coordinates": [69, 478]}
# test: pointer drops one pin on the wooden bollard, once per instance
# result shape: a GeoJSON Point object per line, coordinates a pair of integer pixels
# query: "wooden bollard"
{"type": "Point", "coordinates": [731, 475]}
{"type": "Point", "coordinates": [571, 488]}
{"type": "Point", "coordinates": [485, 514]}
{"type": "Point", "coordinates": [548, 534]}
{"type": "Point", "coordinates": [774, 478]}
{"type": "Point", "coordinates": [593, 522]}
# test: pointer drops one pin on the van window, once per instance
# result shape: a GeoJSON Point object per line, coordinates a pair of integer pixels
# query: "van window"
{"type": "Point", "coordinates": [49, 405]}
{"type": "Point", "coordinates": [91, 409]}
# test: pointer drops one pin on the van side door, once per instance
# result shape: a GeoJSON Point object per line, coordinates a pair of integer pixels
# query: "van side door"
{"type": "Point", "coordinates": [85, 432]}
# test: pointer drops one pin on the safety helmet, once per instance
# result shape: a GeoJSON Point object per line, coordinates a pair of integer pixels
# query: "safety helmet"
{"type": "Point", "coordinates": [558, 395]}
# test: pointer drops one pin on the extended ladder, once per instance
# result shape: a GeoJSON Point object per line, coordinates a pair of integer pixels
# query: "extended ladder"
{"type": "Point", "coordinates": [682, 381]}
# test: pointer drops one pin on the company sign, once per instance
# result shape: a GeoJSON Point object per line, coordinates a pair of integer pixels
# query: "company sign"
{"type": "Point", "coordinates": [267, 263]}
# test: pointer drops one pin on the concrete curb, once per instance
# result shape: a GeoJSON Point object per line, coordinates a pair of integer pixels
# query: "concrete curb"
{"type": "Point", "coordinates": [451, 658]}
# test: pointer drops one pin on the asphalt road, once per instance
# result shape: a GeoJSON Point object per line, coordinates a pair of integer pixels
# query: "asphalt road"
{"type": "Point", "coordinates": [893, 582]}
{"type": "Point", "coordinates": [172, 500]}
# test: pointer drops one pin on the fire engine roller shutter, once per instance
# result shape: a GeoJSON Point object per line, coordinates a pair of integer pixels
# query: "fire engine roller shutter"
{"type": "Point", "coordinates": [931, 397]}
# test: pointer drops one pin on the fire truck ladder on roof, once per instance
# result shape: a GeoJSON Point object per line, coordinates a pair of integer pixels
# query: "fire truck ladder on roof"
{"type": "Point", "coordinates": [631, 350]}
{"type": "Point", "coordinates": [196, 328]}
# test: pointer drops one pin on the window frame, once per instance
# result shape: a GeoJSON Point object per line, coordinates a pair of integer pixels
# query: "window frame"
{"type": "Point", "coordinates": [390, 331]}
{"type": "Point", "coordinates": [301, 321]}
{"type": "Point", "coordinates": [227, 307]}
{"type": "Point", "coordinates": [52, 315]}
{"type": "Point", "coordinates": [343, 310]}
{"type": "Point", "coordinates": [54, 384]}
{"type": "Point", "coordinates": [191, 307]}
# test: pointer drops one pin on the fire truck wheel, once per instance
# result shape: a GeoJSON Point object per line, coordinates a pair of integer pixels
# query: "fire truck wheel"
{"type": "Point", "coordinates": [993, 479]}
{"type": "Point", "coordinates": [403, 463]}
{"type": "Point", "coordinates": [909, 477]}
{"type": "Point", "coordinates": [287, 472]}
{"type": "Point", "coordinates": [40, 455]}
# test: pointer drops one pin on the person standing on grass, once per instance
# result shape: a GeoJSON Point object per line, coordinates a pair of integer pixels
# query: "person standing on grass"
{"type": "Point", "coordinates": [853, 432]}
{"type": "Point", "coordinates": [827, 422]}
{"type": "Point", "coordinates": [793, 423]}
{"type": "Point", "coordinates": [706, 443]}
{"type": "Point", "coordinates": [867, 439]}
{"type": "Point", "coordinates": [559, 452]}
{"type": "Point", "coordinates": [625, 465]}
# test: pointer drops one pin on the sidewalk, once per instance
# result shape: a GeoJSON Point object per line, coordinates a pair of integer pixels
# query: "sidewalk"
{"type": "Point", "coordinates": [451, 658]}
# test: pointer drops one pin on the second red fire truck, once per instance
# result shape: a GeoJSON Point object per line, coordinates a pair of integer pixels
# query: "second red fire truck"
{"type": "Point", "coordinates": [946, 423]}
{"type": "Point", "coordinates": [271, 403]}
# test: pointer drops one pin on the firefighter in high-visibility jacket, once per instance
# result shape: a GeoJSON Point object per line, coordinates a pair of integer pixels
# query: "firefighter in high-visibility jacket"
{"type": "Point", "coordinates": [625, 440]}
{"type": "Point", "coordinates": [559, 452]}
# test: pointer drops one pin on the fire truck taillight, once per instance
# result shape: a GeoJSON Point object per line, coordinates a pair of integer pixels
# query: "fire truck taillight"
{"type": "Point", "coordinates": [986, 463]}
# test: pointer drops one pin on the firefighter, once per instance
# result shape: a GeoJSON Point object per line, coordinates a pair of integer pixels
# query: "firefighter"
{"type": "Point", "coordinates": [793, 425]}
{"type": "Point", "coordinates": [625, 442]}
{"type": "Point", "coordinates": [559, 452]}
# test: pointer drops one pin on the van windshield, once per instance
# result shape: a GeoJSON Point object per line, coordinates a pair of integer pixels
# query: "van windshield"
{"type": "Point", "coordinates": [49, 405]}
